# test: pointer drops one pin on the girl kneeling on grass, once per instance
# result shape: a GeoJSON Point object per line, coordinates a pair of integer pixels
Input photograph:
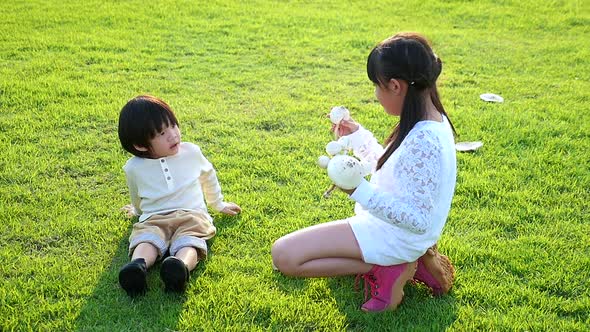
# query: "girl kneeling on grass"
{"type": "Point", "coordinates": [169, 181]}
{"type": "Point", "coordinates": [400, 214]}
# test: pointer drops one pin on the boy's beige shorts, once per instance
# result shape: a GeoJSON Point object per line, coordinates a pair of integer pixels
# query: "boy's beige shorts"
{"type": "Point", "coordinates": [174, 231]}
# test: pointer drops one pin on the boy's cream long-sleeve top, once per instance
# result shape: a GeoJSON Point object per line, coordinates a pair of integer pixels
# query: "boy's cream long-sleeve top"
{"type": "Point", "coordinates": [179, 182]}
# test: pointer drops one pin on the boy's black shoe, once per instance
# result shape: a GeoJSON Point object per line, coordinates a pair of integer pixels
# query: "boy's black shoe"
{"type": "Point", "coordinates": [133, 277]}
{"type": "Point", "coordinates": [175, 274]}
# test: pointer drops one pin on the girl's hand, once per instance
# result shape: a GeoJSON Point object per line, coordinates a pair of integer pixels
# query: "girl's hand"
{"type": "Point", "coordinates": [346, 127]}
{"type": "Point", "coordinates": [231, 209]}
{"type": "Point", "coordinates": [129, 210]}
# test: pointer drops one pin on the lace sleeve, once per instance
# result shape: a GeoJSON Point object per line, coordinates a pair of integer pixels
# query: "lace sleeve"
{"type": "Point", "coordinates": [365, 145]}
{"type": "Point", "coordinates": [416, 176]}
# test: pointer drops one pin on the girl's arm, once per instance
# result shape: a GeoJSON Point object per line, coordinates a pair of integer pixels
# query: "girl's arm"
{"type": "Point", "coordinates": [365, 145]}
{"type": "Point", "coordinates": [418, 179]}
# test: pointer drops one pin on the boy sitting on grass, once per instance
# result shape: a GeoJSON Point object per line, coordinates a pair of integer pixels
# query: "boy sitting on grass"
{"type": "Point", "coordinates": [169, 181]}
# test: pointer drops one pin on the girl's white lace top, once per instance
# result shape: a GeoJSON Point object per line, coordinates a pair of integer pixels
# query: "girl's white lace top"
{"type": "Point", "coordinates": [413, 189]}
{"type": "Point", "coordinates": [179, 182]}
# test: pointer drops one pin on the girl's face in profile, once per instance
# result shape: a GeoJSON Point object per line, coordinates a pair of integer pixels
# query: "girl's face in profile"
{"type": "Point", "coordinates": [389, 98]}
{"type": "Point", "coordinates": [166, 143]}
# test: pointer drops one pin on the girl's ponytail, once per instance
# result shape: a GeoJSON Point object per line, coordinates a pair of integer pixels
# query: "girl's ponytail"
{"type": "Point", "coordinates": [412, 112]}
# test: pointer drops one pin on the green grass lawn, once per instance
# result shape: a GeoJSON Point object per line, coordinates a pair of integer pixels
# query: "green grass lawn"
{"type": "Point", "coordinates": [250, 82]}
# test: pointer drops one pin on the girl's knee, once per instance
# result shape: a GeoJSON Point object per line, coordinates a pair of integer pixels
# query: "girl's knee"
{"type": "Point", "coordinates": [276, 251]}
{"type": "Point", "coordinates": [282, 257]}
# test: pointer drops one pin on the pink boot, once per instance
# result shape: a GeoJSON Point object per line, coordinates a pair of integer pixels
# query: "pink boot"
{"type": "Point", "coordinates": [435, 271]}
{"type": "Point", "coordinates": [387, 286]}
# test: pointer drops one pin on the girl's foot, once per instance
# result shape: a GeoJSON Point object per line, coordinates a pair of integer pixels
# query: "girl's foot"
{"type": "Point", "coordinates": [175, 274]}
{"type": "Point", "coordinates": [387, 286]}
{"type": "Point", "coordinates": [435, 271]}
{"type": "Point", "coordinates": [132, 277]}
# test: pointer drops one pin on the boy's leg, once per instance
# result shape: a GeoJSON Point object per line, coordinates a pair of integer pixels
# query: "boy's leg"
{"type": "Point", "coordinates": [187, 245]}
{"type": "Point", "coordinates": [147, 251]}
{"type": "Point", "coordinates": [189, 256]}
{"type": "Point", "coordinates": [323, 250]}
{"type": "Point", "coordinates": [133, 275]}
{"type": "Point", "coordinates": [175, 270]}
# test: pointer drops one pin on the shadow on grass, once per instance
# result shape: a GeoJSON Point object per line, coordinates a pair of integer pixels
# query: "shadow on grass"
{"type": "Point", "coordinates": [109, 308]}
{"type": "Point", "coordinates": [419, 311]}
{"type": "Point", "coordinates": [289, 285]}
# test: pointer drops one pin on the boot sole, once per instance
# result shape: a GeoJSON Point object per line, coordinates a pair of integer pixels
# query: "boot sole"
{"type": "Point", "coordinates": [442, 271]}
{"type": "Point", "coordinates": [397, 293]}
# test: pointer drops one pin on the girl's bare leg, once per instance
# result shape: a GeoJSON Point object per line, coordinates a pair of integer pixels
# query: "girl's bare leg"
{"type": "Point", "coordinates": [323, 250]}
{"type": "Point", "coordinates": [146, 251]}
{"type": "Point", "coordinates": [189, 256]}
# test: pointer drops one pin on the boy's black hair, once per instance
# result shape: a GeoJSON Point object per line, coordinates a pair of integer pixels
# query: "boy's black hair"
{"type": "Point", "coordinates": [140, 120]}
{"type": "Point", "coordinates": [406, 56]}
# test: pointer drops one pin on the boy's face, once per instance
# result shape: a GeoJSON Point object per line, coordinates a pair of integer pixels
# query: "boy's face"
{"type": "Point", "coordinates": [166, 142]}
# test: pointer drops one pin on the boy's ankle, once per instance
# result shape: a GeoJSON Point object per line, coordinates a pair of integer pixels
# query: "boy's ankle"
{"type": "Point", "coordinates": [140, 261]}
{"type": "Point", "coordinates": [174, 274]}
{"type": "Point", "coordinates": [133, 277]}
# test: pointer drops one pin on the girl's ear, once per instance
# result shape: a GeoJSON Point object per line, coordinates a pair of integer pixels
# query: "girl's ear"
{"type": "Point", "coordinates": [140, 148]}
{"type": "Point", "coordinates": [396, 86]}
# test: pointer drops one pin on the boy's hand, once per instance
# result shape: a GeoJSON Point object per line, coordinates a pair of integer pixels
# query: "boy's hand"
{"type": "Point", "coordinates": [231, 209]}
{"type": "Point", "coordinates": [129, 210]}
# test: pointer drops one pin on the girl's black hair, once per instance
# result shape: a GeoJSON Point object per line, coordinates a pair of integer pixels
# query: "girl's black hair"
{"type": "Point", "coordinates": [140, 120]}
{"type": "Point", "coordinates": [409, 57]}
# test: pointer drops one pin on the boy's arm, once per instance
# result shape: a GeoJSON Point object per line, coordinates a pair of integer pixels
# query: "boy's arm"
{"type": "Point", "coordinates": [212, 189]}
{"type": "Point", "coordinates": [210, 183]}
{"type": "Point", "coordinates": [135, 209]}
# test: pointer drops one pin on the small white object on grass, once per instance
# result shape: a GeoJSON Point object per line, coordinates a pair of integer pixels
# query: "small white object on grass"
{"type": "Point", "coordinates": [345, 171]}
{"type": "Point", "coordinates": [491, 97]}
{"type": "Point", "coordinates": [468, 146]}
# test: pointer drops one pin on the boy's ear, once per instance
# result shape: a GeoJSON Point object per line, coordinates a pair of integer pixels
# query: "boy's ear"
{"type": "Point", "coordinates": [395, 86]}
{"type": "Point", "coordinates": [140, 148]}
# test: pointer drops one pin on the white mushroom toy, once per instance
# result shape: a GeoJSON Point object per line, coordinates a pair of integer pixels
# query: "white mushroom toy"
{"type": "Point", "coordinates": [344, 170]}
{"type": "Point", "coordinates": [337, 114]}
